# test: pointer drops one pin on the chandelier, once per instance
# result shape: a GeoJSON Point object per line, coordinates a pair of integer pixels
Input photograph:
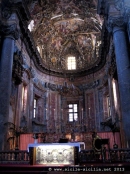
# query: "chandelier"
{"type": "Point", "coordinates": [66, 89]}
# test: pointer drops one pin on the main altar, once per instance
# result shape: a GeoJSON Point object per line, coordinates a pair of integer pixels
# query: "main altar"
{"type": "Point", "coordinates": [54, 154]}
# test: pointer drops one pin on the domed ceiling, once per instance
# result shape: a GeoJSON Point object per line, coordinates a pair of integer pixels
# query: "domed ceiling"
{"type": "Point", "coordinates": [66, 28]}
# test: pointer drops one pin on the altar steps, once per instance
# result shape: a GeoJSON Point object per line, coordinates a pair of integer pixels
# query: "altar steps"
{"type": "Point", "coordinates": [21, 169]}
{"type": "Point", "coordinates": [30, 169]}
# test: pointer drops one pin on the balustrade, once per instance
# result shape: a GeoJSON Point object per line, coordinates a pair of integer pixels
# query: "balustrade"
{"type": "Point", "coordinates": [14, 156]}
{"type": "Point", "coordinates": [107, 155]}
{"type": "Point", "coordinates": [85, 156]}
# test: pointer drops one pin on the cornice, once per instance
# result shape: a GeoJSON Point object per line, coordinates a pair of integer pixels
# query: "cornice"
{"type": "Point", "coordinates": [20, 6]}
{"type": "Point", "coordinates": [10, 30]}
{"type": "Point", "coordinates": [116, 14]}
{"type": "Point", "coordinates": [104, 6]}
{"type": "Point", "coordinates": [115, 22]}
{"type": "Point", "coordinates": [40, 87]}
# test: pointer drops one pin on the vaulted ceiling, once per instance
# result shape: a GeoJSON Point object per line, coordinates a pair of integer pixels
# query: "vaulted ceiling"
{"type": "Point", "coordinates": [63, 28]}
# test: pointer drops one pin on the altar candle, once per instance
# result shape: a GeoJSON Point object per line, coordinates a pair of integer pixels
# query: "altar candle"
{"type": "Point", "coordinates": [89, 112]}
{"type": "Point", "coordinates": [54, 115]}
{"type": "Point", "coordinates": [82, 113]}
{"type": "Point", "coordinates": [61, 113]}
{"type": "Point", "coordinates": [46, 114]}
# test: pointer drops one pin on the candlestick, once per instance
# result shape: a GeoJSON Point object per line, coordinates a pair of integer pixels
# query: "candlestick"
{"type": "Point", "coordinates": [89, 112]}
{"type": "Point", "coordinates": [82, 113]}
{"type": "Point", "coordinates": [54, 115]}
{"type": "Point", "coordinates": [61, 113]}
{"type": "Point", "coordinates": [46, 114]}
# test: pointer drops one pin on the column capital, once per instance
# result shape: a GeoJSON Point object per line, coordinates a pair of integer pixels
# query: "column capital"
{"type": "Point", "coordinates": [127, 8]}
{"type": "Point", "coordinates": [6, 7]}
{"type": "Point", "coordinates": [10, 29]}
{"type": "Point", "coordinates": [118, 4]}
{"type": "Point", "coordinates": [117, 22]}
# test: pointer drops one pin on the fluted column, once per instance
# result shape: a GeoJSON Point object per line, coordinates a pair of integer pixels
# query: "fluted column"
{"type": "Point", "coordinates": [123, 70]}
{"type": "Point", "coordinates": [10, 33]}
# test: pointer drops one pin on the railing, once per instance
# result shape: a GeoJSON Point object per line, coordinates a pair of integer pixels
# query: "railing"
{"type": "Point", "coordinates": [15, 156]}
{"type": "Point", "coordinates": [119, 155]}
{"type": "Point", "coordinates": [108, 156]}
{"type": "Point", "coordinates": [85, 156]}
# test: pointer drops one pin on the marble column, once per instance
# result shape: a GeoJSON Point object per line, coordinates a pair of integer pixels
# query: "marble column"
{"type": "Point", "coordinates": [10, 33]}
{"type": "Point", "coordinates": [123, 70]}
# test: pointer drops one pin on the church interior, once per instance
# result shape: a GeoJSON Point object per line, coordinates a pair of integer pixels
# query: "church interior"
{"type": "Point", "coordinates": [65, 79]}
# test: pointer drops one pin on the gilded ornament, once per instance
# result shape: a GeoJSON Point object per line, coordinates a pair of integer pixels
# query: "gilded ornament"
{"type": "Point", "coordinates": [53, 60]}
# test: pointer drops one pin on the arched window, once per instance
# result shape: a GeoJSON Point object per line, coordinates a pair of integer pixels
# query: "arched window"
{"type": "Point", "coordinates": [71, 63]}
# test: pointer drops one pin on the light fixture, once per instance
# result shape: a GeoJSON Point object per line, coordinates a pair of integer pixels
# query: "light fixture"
{"type": "Point", "coordinates": [65, 89]}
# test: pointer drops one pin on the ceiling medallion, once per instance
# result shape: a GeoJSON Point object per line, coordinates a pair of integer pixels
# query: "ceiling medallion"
{"type": "Point", "coordinates": [53, 59]}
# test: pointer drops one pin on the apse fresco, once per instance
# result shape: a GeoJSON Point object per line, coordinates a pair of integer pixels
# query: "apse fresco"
{"type": "Point", "coordinates": [65, 28]}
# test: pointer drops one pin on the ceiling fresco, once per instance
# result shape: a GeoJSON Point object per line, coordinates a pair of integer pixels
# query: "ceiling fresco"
{"type": "Point", "coordinates": [63, 28]}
